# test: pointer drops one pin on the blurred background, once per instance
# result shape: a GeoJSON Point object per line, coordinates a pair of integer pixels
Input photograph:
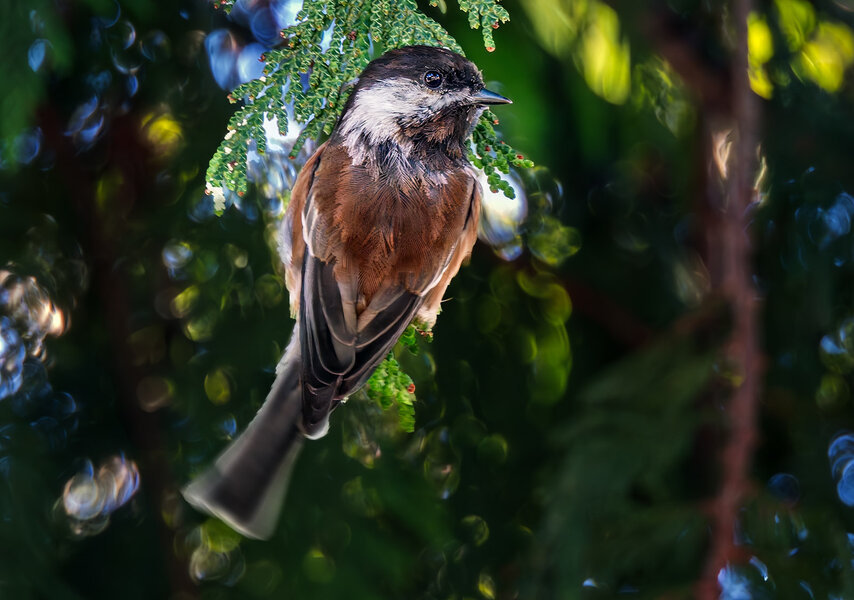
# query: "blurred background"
{"type": "Point", "coordinates": [623, 398]}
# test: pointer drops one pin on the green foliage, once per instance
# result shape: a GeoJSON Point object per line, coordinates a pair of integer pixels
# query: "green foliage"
{"type": "Point", "coordinates": [494, 155]}
{"type": "Point", "coordinates": [389, 385]}
{"type": "Point", "coordinates": [634, 492]}
{"type": "Point", "coordinates": [355, 27]}
{"type": "Point", "coordinates": [483, 13]}
{"type": "Point", "coordinates": [224, 5]}
{"type": "Point", "coordinates": [415, 331]}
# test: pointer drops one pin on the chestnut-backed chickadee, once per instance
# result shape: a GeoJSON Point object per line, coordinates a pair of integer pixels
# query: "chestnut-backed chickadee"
{"type": "Point", "coordinates": [380, 219]}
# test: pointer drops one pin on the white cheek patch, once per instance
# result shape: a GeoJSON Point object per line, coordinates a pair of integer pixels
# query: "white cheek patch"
{"type": "Point", "coordinates": [377, 111]}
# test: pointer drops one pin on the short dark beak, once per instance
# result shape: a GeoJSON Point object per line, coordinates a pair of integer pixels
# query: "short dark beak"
{"type": "Point", "coordinates": [484, 96]}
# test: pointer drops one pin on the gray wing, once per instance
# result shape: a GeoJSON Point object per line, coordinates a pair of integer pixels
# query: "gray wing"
{"type": "Point", "coordinates": [337, 358]}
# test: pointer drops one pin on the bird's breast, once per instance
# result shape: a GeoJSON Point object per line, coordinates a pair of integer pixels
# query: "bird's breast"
{"type": "Point", "coordinates": [400, 229]}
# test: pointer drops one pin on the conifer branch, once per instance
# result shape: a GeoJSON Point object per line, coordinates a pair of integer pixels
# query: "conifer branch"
{"type": "Point", "coordinates": [314, 81]}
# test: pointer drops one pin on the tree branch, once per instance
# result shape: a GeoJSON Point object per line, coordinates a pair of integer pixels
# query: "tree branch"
{"type": "Point", "coordinates": [729, 243]}
{"type": "Point", "coordinates": [728, 127]}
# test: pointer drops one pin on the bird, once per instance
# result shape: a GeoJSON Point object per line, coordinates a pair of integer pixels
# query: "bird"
{"type": "Point", "coordinates": [380, 219]}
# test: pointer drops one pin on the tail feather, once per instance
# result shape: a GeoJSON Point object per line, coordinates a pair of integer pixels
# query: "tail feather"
{"type": "Point", "coordinates": [246, 485]}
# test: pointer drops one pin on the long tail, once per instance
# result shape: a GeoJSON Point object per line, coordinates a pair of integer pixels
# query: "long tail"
{"type": "Point", "coordinates": [246, 485]}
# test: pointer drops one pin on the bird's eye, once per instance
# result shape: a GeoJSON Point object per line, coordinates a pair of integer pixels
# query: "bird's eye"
{"type": "Point", "coordinates": [432, 79]}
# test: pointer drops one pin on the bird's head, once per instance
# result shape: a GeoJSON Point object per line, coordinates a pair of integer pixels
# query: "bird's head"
{"type": "Point", "coordinates": [424, 99]}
